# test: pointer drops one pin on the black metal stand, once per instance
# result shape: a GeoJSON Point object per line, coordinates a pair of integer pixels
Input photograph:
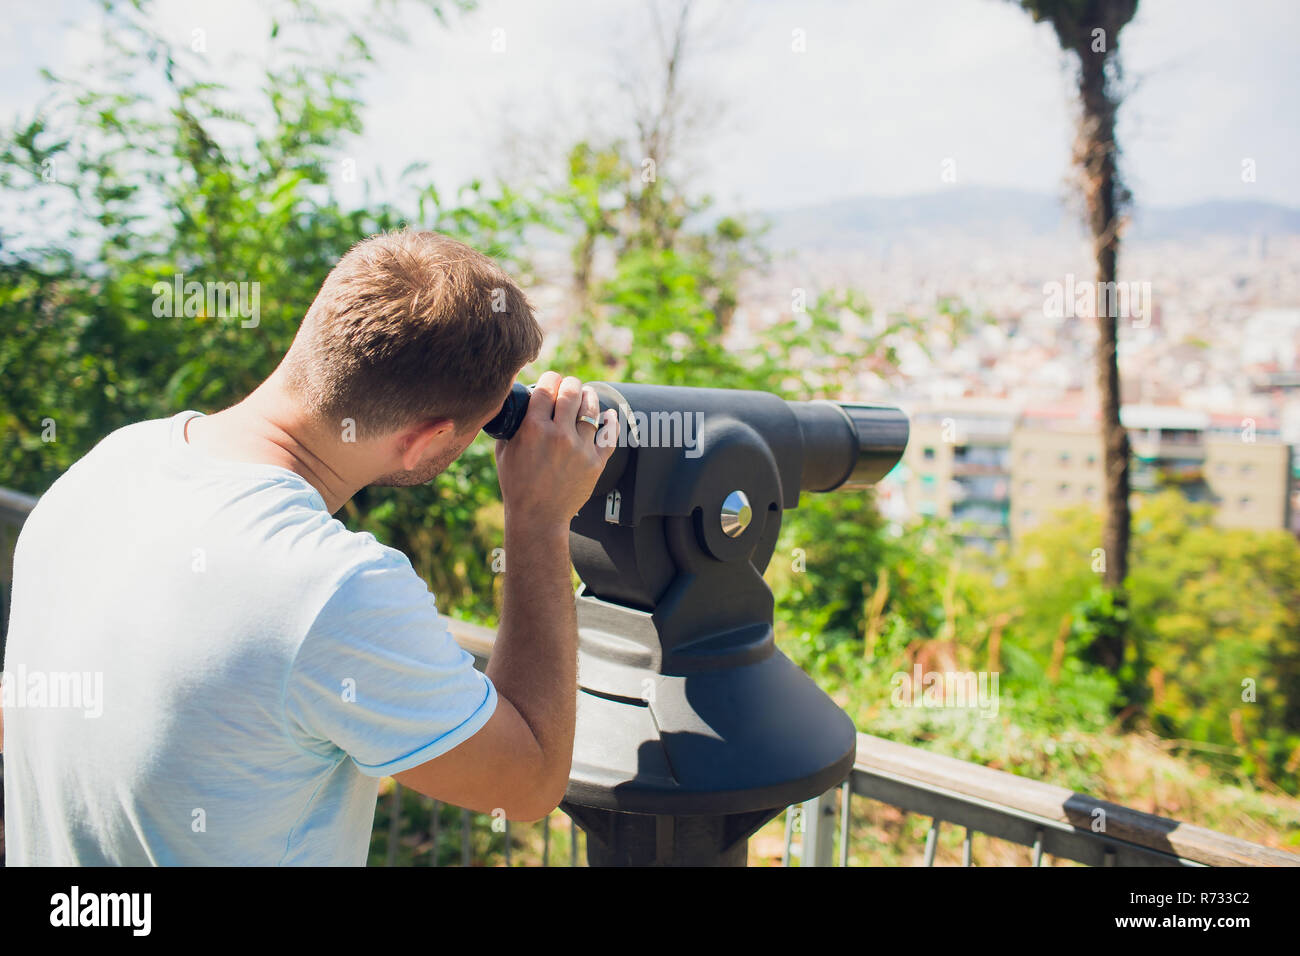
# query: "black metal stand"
{"type": "Point", "coordinates": [641, 839]}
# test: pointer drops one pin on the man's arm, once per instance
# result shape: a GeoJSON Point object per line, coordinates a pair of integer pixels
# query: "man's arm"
{"type": "Point", "coordinates": [519, 761]}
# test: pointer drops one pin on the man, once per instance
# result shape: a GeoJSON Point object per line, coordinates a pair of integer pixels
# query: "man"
{"type": "Point", "coordinates": [261, 666]}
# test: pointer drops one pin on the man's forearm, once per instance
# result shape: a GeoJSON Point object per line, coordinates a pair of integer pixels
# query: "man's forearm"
{"type": "Point", "coordinates": [534, 661]}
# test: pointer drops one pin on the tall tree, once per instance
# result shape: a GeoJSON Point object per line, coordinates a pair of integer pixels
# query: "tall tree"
{"type": "Point", "coordinates": [1090, 30]}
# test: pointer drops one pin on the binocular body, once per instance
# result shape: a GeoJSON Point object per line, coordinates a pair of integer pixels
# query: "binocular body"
{"type": "Point", "coordinates": [847, 444]}
{"type": "Point", "coordinates": [686, 707]}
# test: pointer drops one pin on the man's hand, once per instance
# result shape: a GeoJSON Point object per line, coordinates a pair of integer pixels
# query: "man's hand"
{"type": "Point", "coordinates": [519, 761]}
{"type": "Point", "coordinates": [547, 470]}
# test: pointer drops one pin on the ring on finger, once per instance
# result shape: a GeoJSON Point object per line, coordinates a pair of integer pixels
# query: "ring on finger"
{"type": "Point", "coordinates": [593, 422]}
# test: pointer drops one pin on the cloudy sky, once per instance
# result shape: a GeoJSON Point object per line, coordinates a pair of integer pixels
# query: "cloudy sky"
{"type": "Point", "coordinates": [884, 93]}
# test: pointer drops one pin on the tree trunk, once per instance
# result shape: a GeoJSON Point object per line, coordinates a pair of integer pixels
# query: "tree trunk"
{"type": "Point", "coordinates": [1097, 162]}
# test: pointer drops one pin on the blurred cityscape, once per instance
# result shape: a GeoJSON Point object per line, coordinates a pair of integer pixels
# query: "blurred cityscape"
{"type": "Point", "coordinates": [1005, 418]}
{"type": "Point", "coordinates": [1003, 397]}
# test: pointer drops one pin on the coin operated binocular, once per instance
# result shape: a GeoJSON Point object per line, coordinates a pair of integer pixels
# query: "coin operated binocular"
{"type": "Point", "coordinates": [693, 730]}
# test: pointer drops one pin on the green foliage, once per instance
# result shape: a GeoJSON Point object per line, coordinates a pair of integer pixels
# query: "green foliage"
{"type": "Point", "coordinates": [663, 312]}
{"type": "Point", "coordinates": [1220, 614]}
{"type": "Point", "coordinates": [830, 552]}
{"type": "Point", "coordinates": [1213, 616]}
{"type": "Point", "coordinates": [658, 296]}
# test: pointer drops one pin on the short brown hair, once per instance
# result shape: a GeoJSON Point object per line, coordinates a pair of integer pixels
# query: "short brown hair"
{"type": "Point", "coordinates": [410, 326]}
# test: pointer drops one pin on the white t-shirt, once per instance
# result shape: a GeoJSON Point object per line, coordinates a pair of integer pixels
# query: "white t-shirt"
{"type": "Point", "coordinates": [204, 667]}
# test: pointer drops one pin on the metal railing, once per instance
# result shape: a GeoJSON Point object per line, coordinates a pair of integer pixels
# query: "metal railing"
{"type": "Point", "coordinates": [412, 830]}
{"type": "Point", "coordinates": [1049, 822]}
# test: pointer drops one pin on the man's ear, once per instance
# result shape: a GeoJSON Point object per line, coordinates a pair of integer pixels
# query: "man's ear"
{"type": "Point", "coordinates": [415, 443]}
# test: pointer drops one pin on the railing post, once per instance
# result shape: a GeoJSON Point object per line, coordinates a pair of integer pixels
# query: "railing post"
{"type": "Point", "coordinates": [465, 856]}
{"type": "Point", "coordinates": [790, 814]}
{"type": "Point", "coordinates": [932, 842]}
{"type": "Point", "coordinates": [846, 819]}
{"type": "Point", "coordinates": [819, 830]}
{"type": "Point", "coordinates": [394, 823]}
{"type": "Point", "coordinates": [435, 807]}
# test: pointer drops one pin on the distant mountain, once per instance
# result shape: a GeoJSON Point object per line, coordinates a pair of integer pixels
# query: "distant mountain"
{"type": "Point", "coordinates": [985, 213]}
{"type": "Point", "coordinates": [1224, 217]}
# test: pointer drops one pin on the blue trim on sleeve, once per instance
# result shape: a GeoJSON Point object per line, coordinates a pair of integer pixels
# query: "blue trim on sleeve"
{"type": "Point", "coordinates": [438, 747]}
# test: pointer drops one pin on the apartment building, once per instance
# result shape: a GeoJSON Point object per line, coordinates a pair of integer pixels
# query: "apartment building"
{"type": "Point", "coordinates": [999, 472]}
{"type": "Point", "coordinates": [958, 468]}
{"type": "Point", "coordinates": [1250, 474]}
{"type": "Point", "coordinates": [1056, 462]}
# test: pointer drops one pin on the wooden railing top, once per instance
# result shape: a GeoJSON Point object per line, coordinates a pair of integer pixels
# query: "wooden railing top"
{"type": "Point", "coordinates": [474, 638]}
{"type": "Point", "coordinates": [876, 755]}
{"type": "Point", "coordinates": [15, 506]}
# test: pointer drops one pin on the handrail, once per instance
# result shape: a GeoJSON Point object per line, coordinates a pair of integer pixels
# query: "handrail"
{"type": "Point", "coordinates": [475, 638]}
{"type": "Point", "coordinates": [15, 506]}
{"type": "Point", "coordinates": [1051, 804]}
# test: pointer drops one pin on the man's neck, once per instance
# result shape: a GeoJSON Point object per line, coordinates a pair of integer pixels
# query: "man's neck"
{"type": "Point", "coordinates": [266, 428]}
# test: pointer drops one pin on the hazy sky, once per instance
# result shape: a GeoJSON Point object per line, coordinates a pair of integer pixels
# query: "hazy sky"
{"type": "Point", "coordinates": [884, 94]}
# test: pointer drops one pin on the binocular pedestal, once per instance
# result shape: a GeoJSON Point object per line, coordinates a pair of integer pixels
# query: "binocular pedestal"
{"type": "Point", "coordinates": [679, 766]}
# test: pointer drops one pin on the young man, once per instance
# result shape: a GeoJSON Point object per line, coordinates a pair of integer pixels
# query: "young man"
{"type": "Point", "coordinates": [258, 666]}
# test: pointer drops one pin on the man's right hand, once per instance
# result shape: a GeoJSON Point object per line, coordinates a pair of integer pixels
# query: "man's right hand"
{"type": "Point", "coordinates": [548, 469]}
{"type": "Point", "coordinates": [519, 761]}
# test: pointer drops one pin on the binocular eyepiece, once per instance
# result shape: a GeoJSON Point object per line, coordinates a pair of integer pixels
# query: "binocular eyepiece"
{"type": "Point", "coordinates": [511, 416]}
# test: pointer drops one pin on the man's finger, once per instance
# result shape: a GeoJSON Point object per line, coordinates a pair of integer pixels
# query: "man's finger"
{"type": "Point", "coordinates": [542, 402]}
{"type": "Point", "coordinates": [567, 402]}
{"type": "Point", "coordinates": [589, 408]}
{"type": "Point", "coordinates": [608, 431]}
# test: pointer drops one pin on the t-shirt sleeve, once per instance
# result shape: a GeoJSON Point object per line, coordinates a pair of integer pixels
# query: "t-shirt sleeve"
{"type": "Point", "coordinates": [379, 677]}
